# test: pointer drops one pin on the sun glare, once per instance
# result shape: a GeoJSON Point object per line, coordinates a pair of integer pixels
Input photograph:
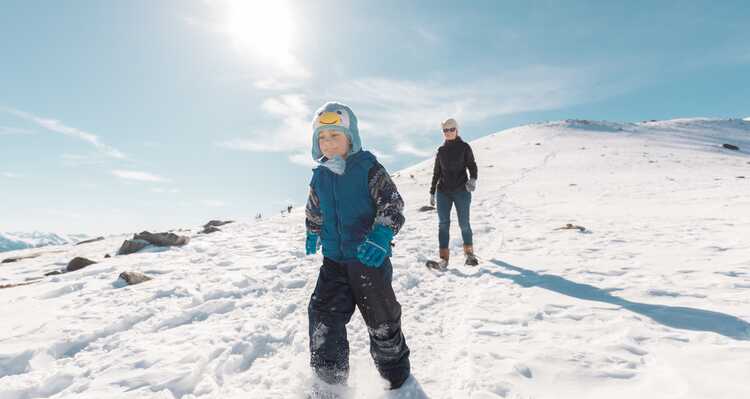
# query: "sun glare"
{"type": "Point", "coordinates": [262, 27]}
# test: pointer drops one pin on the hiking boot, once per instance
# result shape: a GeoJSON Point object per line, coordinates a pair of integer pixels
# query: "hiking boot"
{"type": "Point", "coordinates": [471, 259]}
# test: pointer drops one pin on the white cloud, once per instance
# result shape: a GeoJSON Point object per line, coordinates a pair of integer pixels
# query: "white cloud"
{"type": "Point", "coordinates": [390, 107]}
{"type": "Point", "coordinates": [408, 111]}
{"type": "Point", "coordinates": [7, 131]}
{"type": "Point", "coordinates": [293, 134]}
{"type": "Point", "coordinates": [10, 175]}
{"type": "Point", "coordinates": [380, 155]}
{"type": "Point", "coordinates": [138, 176]}
{"type": "Point", "coordinates": [410, 149]}
{"type": "Point", "coordinates": [214, 203]}
{"type": "Point", "coordinates": [303, 159]}
{"type": "Point", "coordinates": [58, 127]}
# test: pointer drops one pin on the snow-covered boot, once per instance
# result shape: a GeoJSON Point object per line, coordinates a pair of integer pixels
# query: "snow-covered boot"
{"type": "Point", "coordinates": [471, 259]}
{"type": "Point", "coordinates": [441, 264]}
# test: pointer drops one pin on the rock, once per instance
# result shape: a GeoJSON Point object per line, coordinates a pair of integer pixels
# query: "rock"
{"type": "Point", "coordinates": [90, 241]}
{"type": "Point", "coordinates": [426, 208]}
{"type": "Point", "coordinates": [107, 256]}
{"type": "Point", "coordinates": [54, 273]}
{"type": "Point", "coordinates": [17, 258]}
{"type": "Point", "coordinates": [210, 229]}
{"type": "Point", "coordinates": [162, 239]}
{"type": "Point", "coordinates": [132, 246]}
{"type": "Point", "coordinates": [731, 147]}
{"type": "Point", "coordinates": [78, 263]}
{"type": "Point", "coordinates": [571, 226]}
{"type": "Point", "coordinates": [16, 285]}
{"type": "Point", "coordinates": [217, 223]}
{"type": "Point", "coordinates": [132, 278]}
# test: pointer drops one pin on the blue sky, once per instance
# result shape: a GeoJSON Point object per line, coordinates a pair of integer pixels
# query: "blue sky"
{"type": "Point", "coordinates": [131, 115]}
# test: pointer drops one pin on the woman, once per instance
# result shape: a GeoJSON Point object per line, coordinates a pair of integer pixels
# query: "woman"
{"type": "Point", "coordinates": [451, 185]}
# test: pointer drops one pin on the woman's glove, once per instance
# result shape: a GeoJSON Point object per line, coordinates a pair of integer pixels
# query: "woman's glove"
{"type": "Point", "coordinates": [376, 247]}
{"type": "Point", "coordinates": [471, 185]}
{"type": "Point", "coordinates": [432, 199]}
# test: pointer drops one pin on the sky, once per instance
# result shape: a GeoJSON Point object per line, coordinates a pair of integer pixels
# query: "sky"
{"type": "Point", "coordinates": [118, 117]}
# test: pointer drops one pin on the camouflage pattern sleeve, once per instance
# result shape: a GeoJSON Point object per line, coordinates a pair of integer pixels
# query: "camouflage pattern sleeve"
{"type": "Point", "coordinates": [313, 218]}
{"type": "Point", "coordinates": [388, 202]}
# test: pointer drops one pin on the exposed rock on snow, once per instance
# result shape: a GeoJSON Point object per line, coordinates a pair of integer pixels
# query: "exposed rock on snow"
{"type": "Point", "coordinates": [132, 246]}
{"type": "Point", "coordinates": [730, 147]}
{"type": "Point", "coordinates": [162, 239]}
{"type": "Point", "coordinates": [90, 241]}
{"type": "Point", "coordinates": [78, 263]}
{"type": "Point", "coordinates": [132, 278]}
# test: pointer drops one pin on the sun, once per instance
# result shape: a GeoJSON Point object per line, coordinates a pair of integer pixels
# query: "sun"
{"type": "Point", "coordinates": [263, 28]}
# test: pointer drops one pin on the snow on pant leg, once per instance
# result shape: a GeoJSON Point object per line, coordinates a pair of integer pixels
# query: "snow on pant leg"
{"type": "Point", "coordinates": [382, 314]}
{"type": "Point", "coordinates": [463, 206]}
{"type": "Point", "coordinates": [330, 309]}
{"type": "Point", "coordinates": [444, 204]}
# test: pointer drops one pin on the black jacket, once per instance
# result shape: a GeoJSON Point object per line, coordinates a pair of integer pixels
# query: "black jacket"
{"type": "Point", "coordinates": [451, 162]}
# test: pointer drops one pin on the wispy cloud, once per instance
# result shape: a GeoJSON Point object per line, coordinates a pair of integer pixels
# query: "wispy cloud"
{"type": "Point", "coordinates": [214, 203]}
{"type": "Point", "coordinates": [138, 176]}
{"type": "Point", "coordinates": [291, 136]}
{"type": "Point", "coordinates": [410, 149]}
{"type": "Point", "coordinates": [380, 155]}
{"type": "Point", "coordinates": [303, 159]}
{"type": "Point", "coordinates": [56, 126]}
{"type": "Point", "coordinates": [415, 108]}
{"type": "Point", "coordinates": [405, 112]}
{"type": "Point", "coordinates": [10, 175]}
{"type": "Point", "coordinates": [7, 131]}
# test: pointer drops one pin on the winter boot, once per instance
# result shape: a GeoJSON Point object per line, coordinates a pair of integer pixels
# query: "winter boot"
{"type": "Point", "coordinates": [471, 259]}
{"type": "Point", "coordinates": [445, 254]}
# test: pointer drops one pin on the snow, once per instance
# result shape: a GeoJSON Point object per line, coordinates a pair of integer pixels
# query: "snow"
{"type": "Point", "coordinates": [22, 240]}
{"type": "Point", "coordinates": [650, 301]}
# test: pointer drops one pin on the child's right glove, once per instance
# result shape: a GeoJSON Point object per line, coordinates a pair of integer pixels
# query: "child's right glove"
{"type": "Point", "coordinates": [376, 247]}
{"type": "Point", "coordinates": [312, 244]}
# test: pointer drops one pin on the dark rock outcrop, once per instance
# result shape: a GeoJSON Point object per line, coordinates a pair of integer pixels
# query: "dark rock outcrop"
{"type": "Point", "coordinates": [54, 273]}
{"type": "Point", "coordinates": [731, 147]}
{"type": "Point", "coordinates": [132, 246]}
{"type": "Point", "coordinates": [78, 263]}
{"type": "Point", "coordinates": [217, 223]}
{"type": "Point", "coordinates": [132, 278]}
{"type": "Point", "coordinates": [90, 241]}
{"type": "Point", "coordinates": [17, 258]}
{"type": "Point", "coordinates": [209, 230]}
{"type": "Point", "coordinates": [162, 239]}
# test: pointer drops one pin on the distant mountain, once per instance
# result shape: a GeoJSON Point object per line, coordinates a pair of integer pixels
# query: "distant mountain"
{"type": "Point", "coordinates": [22, 240]}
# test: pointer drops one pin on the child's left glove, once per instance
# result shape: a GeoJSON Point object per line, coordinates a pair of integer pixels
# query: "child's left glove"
{"type": "Point", "coordinates": [312, 243]}
{"type": "Point", "coordinates": [376, 247]}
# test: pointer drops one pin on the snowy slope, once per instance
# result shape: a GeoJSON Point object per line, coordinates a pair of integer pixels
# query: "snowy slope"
{"type": "Point", "coordinates": [20, 240]}
{"type": "Point", "coordinates": [651, 301]}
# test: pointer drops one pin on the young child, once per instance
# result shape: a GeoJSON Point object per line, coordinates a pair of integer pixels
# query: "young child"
{"type": "Point", "coordinates": [354, 210]}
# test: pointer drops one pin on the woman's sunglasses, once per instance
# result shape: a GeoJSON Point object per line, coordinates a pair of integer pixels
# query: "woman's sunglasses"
{"type": "Point", "coordinates": [450, 129]}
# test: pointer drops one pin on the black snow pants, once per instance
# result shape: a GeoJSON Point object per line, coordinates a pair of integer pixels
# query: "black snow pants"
{"type": "Point", "coordinates": [340, 287]}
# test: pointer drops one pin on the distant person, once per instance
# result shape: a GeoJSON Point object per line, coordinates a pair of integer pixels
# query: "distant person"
{"type": "Point", "coordinates": [452, 185]}
{"type": "Point", "coordinates": [354, 210]}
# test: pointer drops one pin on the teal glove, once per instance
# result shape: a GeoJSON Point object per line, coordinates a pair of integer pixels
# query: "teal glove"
{"type": "Point", "coordinates": [312, 244]}
{"type": "Point", "coordinates": [376, 247]}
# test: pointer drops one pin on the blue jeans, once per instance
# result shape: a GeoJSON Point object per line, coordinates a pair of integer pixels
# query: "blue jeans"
{"type": "Point", "coordinates": [445, 202]}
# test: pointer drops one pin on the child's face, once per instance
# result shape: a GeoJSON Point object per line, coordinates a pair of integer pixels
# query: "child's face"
{"type": "Point", "coordinates": [332, 143]}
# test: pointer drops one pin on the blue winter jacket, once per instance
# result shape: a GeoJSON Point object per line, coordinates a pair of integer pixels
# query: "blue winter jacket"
{"type": "Point", "coordinates": [343, 207]}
